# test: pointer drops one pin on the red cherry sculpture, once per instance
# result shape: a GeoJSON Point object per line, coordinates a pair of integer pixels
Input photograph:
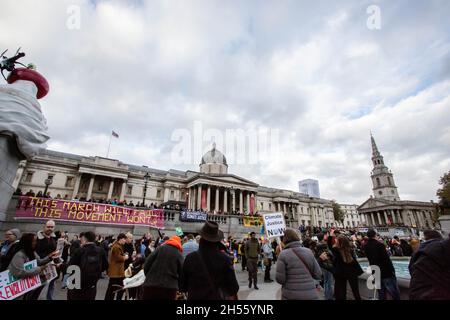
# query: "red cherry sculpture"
{"type": "Point", "coordinates": [33, 76]}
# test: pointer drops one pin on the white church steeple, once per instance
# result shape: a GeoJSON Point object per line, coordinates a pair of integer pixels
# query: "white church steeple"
{"type": "Point", "coordinates": [382, 178]}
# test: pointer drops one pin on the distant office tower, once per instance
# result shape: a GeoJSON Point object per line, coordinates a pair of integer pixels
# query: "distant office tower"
{"type": "Point", "coordinates": [310, 187]}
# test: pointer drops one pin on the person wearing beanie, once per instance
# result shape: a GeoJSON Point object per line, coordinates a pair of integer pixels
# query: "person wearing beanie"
{"type": "Point", "coordinates": [9, 248]}
{"type": "Point", "coordinates": [163, 271]}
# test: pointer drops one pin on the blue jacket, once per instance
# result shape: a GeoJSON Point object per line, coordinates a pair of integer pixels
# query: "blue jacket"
{"type": "Point", "coordinates": [190, 246]}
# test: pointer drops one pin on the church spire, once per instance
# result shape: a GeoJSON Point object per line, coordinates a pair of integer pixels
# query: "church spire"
{"type": "Point", "coordinates": [375, 152]}
{"type": "Point", "coordinates": [382, 178]}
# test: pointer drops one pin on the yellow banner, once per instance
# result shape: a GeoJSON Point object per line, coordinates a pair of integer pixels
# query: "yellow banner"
{"type": "Point", "coordinates": [252, 221]}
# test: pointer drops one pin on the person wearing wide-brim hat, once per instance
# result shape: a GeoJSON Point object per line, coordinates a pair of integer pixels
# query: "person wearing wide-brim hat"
{"type": "Point", "coordinates": [208, 273]}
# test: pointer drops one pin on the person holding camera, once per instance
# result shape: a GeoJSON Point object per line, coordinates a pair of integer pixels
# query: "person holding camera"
{"type": "Point", "coordinates": [116, 269]}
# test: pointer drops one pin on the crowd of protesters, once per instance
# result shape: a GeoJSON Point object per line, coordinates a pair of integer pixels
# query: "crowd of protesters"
{"type": "Point", "coordinates": [310, 263]}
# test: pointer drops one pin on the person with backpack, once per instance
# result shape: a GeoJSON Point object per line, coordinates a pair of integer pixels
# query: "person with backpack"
{"type": "Point", "coordinates": [91, 259]}
{"type": "Point", "coordinates": [208, 272]}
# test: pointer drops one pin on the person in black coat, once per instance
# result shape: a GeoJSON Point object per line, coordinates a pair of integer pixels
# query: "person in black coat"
{"type": "Point", "coordinates": [430, 236]}
{"type": "Point", "coordinates": [208, 273]}
{"type": "Point", "coordinates": [92, 261]}
{"type": "Point", "coordinates": [46, 244]}
{"type": "Point", "coordinates": [345, 267]}
{"type": "Point", "coordinates": [430, 274]}
{"type": "Point", "coordinates": [377, 255]}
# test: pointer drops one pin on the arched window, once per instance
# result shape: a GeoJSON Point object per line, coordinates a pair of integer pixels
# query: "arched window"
{"type": "Point", "coordinates": [380, 192]}
{"type": "Point", "coordinates": [389, 181]}
{"type": "Point", "coordinates": [378, 182]}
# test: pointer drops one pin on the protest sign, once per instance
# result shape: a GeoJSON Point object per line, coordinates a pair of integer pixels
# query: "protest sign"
{"type": "Point", "coordinates": [50, 272]}
{"type": "Point", "coordinates": [87, 212]}
{"type": "Point", "coordinates": [179, 232]}
{"type": "Point", "coordinates": [274, 224]}
{"type": "Point", "coordinates": [250, 221]}
{"type": "Point", "coordinates": [12, 288]}
{"type": "Point", "coordinates": [193, 216]}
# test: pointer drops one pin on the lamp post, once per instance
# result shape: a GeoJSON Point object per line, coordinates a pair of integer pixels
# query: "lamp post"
{"type": "Point", "coordinates": [47, 182]}
{"type": "Point", "coordinates": [146, 180]}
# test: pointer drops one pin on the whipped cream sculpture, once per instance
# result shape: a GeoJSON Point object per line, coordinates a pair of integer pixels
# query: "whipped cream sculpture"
{"type": "Point", "coordinates": [23, 128]}
{"type": "Point", "coordinates": [21, 117]}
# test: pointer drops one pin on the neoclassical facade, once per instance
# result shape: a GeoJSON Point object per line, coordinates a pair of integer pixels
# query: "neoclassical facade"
{"type": "Point", "coordinates": [211, 189]}
{"type": "Point", "coordinates": [385, 208]}
{"type": "Point", "coordinates": [351, 216]}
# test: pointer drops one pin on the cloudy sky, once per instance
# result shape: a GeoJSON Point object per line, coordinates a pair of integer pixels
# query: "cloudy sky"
{"type": "Point", "coordinates": [310, 70]}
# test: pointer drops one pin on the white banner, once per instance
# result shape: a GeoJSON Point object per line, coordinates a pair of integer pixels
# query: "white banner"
{"type": "Point", "coordinates": [11, 288]}
{"type": "Point", "coordinates": [274, 224]}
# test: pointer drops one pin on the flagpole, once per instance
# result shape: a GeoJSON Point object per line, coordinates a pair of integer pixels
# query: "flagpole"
{"type": "Point", "coordinates": [109, 146]}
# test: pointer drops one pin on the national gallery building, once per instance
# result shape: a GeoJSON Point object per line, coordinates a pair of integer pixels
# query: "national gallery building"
{"type": "Point", "coordinates": [211, 189]}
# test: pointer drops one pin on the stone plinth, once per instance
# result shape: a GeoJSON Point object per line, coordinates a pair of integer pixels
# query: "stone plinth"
{"type": "Point", "coordinates": [445, 224]}
{"type": "Point", "coordinates": [9, 163]}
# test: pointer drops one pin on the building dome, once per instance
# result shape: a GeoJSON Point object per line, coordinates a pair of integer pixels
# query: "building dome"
{"type": "Point", "coordinates": [214, 161]}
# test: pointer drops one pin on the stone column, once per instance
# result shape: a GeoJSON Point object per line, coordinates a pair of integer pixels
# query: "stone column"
{"type": "Point", "coordinates": [401, 216]}
{"type": "Point", "coordinates": [284, 207]}
{"type": "Point", "coordinates": [194, 198]}
{"type": "Point", "coordinates": [248, 202]}
{"type": "Point", "coordinates": [225, 200]}
{"type": "Point", "coordinates": [199, 197]}
{"type": "Point", "coordinates": [420, 217]}
{"type": "Point", "coordinates": [77, 186]}
{"type": "Point", "coordinates": [122, 191]}
{"type": "Point", "coordinates": [386, 217]}
{"type": "Point", "coordinates": [379, 218]}
{"type": "Point", "coordinates": [190, 199]}
{"type": "Point", "coordinates": [394, 218]}
{"type": "Point", "coordinates": [91, 186]}
{"type": "Point", "coordinates": [217, 199]}
{"type": "Point", "coordinates": [111, 188]}
{"type": "Point", "coordinates": [233, 200]}
{"type": "Point", "coordinates": [241, 201]}
{"type": "Point", "coordinates": [208, 199]}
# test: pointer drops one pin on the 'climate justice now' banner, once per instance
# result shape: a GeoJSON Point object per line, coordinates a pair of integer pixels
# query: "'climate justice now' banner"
{"type": "Point", "coordinates": [87, 212]}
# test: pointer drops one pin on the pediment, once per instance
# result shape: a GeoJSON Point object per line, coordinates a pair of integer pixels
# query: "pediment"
{"type": "Point", "coordinates": [225, 179]}
{"type": "Point", "coordinates": [373, 203]}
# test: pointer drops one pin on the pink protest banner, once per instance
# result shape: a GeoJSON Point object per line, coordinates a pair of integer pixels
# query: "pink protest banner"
{"type": "Point", "coordinates": [87, 212]}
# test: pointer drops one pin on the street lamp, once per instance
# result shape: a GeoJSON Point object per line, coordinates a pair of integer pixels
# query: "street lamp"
{"type": "Point", "coordinates": [146, 179]}
{"type": "Point", "coordinates": [47, 182]}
